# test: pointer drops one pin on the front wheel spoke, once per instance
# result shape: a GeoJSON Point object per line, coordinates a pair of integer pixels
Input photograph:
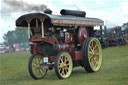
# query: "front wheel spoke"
{"type": "Point", "coordinates": [39, 59]}
{"type": "Point", "coordinates": [66, 71]}
{"type": "Point", "coordinates": [62, 71]}
{"type": "Point", "coordinates": [96, 58]}
{"type": "Point", "coordinates": [60, 68]}
{"type": "Point", "coordinates": [92, 61]}
{"type": "Point", "coordinates": [39, 71]}
{"type": "Point", "coordinates": [34, 66]}
{"type": "Point", "coordinates": [90, 48]}
{"type": "Point", "coordinates": [36, 72]}
{"type": "Point", "coordinates": [91, 44]}
{"type": "Point", "coordinates": [96, 63]}
{"type": "Point", "coordinates": [61, 65]}
{"type": "Point", "coordinates": [34, 69]}
{"type": "Point", "coordinates": [65, 58]}
{"type": "Point", "coordinates": [35, 62]}
{"type": "Point", "coordinates": [43, 70]}
{"type": "Point", "coordinates": [67, 62]}
{"type": "Point", "coordinates": [97, 54]}
{"type": "Point", "coordinates": [94, 48]}
{"type": "Point", "coordinates": [92, 64]}
{"type": "Point", "coordinates": [61, 60]}
{"type": "Point", "coordinates": [90, 52]}
{"type": "Point", "coordinates": [97, 51]}
{"type": "Point", "coordinates": [90, 57]}
{"type": "Point", "coordinates": [66, 67]}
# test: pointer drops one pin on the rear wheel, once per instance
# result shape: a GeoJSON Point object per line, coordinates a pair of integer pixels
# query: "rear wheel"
{"type": "Point", "coordinates": [63, 65]}
{"type": "Point", "coordinates": [34, 66]}
{"type": "Point", "coordinates": [92, 54]}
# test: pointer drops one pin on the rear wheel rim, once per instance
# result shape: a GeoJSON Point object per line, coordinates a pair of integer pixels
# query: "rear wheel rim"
{"type": "Point", "coordinates": [65, 65]}
{"type": "Point", "coordinates": [36, 69]}
{"type": "Point", "coordinates": [95, 54]}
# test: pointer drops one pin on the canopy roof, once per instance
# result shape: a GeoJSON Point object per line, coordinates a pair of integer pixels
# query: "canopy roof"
{"type": "Point", "coordinates": [59, 20]}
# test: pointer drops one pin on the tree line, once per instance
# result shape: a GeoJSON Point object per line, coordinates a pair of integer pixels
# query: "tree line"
{"type": "Point", "coordinates": [17, 36]}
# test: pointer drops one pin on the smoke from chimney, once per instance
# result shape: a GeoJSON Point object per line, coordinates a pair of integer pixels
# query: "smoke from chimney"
{"type": "Point", "coordinates": [11, 6]}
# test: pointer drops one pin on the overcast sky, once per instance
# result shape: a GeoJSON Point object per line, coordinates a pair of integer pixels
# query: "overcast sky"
{"type": "Point", "coordinates": [113, 12]}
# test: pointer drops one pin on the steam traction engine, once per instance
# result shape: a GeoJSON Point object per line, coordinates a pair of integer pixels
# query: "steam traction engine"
{"type": "Point", "coordinates": [61, 42]}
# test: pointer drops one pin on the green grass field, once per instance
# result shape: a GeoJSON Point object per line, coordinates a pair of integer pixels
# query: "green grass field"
{"type": "Point", "coordinates": [114, 70]}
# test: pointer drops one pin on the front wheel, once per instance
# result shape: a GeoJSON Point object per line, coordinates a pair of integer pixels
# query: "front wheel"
{"type": "Point", "coordinates": [63, 65]}
{"type": "Point", "coordinates": [92, 54]}
{"type": "Point", "coordinates": [34, 67]}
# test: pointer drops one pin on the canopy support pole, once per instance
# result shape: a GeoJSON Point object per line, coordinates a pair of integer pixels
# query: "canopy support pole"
{"type": "Point", "coordinates": [28, 31]}
{"type": "Point", "coordinates": [101, 33]}
{"type": "Point", "coordinates": [42, 30]}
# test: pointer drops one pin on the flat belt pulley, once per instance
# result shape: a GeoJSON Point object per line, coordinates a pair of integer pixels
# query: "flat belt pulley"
{"type": "Point", "coordinates": [82, 35]}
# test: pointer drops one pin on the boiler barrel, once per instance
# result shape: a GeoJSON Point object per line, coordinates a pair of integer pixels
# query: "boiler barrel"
{"type": "Point", "coordinates": [73, 13]}
{"type": "Point", "coordinates": [47, 49]}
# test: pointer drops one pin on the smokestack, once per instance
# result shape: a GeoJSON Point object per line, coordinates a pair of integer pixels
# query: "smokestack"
{"type": "Point", "coordinates": [48, 11]}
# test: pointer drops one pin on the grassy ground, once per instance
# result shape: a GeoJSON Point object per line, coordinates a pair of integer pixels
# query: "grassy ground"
{"type": "Point", "coordinates": [114, 71]}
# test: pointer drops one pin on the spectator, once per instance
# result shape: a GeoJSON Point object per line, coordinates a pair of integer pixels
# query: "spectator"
{"type": "Point", "coordinates": [117, 39]}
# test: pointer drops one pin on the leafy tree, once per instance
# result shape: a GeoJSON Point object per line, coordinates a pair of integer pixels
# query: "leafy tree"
{"type": "Point", "coordinates": [9, 38]}
{"type": "Point", "coordinates": [125, 25]}
{"type": "Point", "coordinates": [21, 37]}
{"type": "Point", "coordinates": [18, 36]}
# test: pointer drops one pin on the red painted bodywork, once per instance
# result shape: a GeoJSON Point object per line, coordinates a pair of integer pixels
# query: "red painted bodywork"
{"type": "Point", "coordinates": [76, 55]}
{"type": "Point", "coordinates": [63, 47]}
{"type": "Point", "coordinates": [52, 58]}
{"type": "Point", "coordinates": [35, 43]}
{"type": "Point", "coordinates": [42, 40]}
{"type": "Point", "coordinates": [69, 37]}
{"type": "Point", "coordinates": [36, 49]}
{"type": "Point", "coordinates": [68, 46]}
